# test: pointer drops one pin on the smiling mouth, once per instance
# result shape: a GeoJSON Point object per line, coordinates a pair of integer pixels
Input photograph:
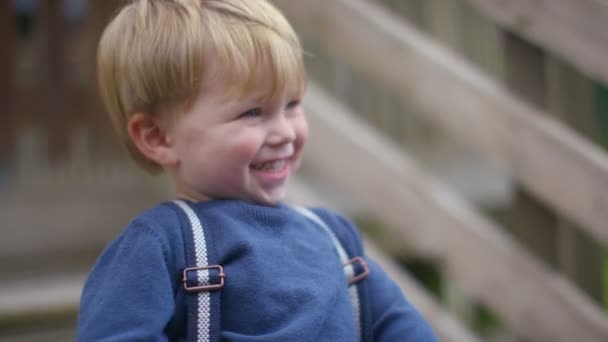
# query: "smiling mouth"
{"type": "Point", "coordinates": [271, 166]}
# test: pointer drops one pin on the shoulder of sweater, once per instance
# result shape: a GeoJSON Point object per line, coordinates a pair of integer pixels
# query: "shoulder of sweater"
{"type": "Point", "coordinates": [332, 216]}
{"type": "Point", "coordinates": [161, 223]}
{"type": "Point", "coordinates": [341, 225]}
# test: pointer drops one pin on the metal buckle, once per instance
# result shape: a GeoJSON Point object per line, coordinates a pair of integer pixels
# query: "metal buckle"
{"type": "Point", "coordinates": [201, 288]}
{"type": "Point", "coordinates": [357, 277]}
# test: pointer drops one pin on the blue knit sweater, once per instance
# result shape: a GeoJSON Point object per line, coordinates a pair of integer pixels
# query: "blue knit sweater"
{"type": "Point", "coordinates": [284, 281]}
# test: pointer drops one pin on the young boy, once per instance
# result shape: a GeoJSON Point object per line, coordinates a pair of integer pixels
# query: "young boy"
{"type": "Point", "coordinates": [210, 92]}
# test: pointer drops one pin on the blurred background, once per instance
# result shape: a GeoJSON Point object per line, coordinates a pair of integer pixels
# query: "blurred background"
{"type": "Point", "coordinates": [467, 138]}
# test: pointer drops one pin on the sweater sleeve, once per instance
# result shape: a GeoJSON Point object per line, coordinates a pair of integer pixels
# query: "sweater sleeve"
{"type": "Point", "coordinates": [129, 295]}
{"type": "Point", "coordinates": [393, 317]}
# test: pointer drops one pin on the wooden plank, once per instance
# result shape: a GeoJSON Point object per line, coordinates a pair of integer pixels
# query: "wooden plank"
{"type": "Point", "coordinates": [456, 96]}
{"type": "Point", "coordinates": [482, 41]}
{"type": "Point", "coordinates": [60, 98]}
{"type": "Point", "coordinates": [570, 98]}
{"type": "Point", "coordinates": [574, 30]}
{"type": "Point", "coordinates": [525, 70]}
{"type": "Point", "coordinates": [69, 211]}
{"type": "Point", "coordinates": [529, 219]}
{"type": "Point", "coordinates": [40, 295]}
{"type": "Point", "coordinates": [7, 84]}
{"type": "Point", "coordinates": [534, 225]}
{"type": "Point", "coordinates": [99, 126]}
{"type": "Point", "coordinates": [413, 10]}
{"type": "Point", "coordinates": [445, 22]}
{"type": "Point", "coordinates": [8, 41]}
{"type": "Point", "coordinates": [530, 298]}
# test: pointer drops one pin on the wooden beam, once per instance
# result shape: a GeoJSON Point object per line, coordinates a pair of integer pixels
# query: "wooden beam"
{"type": "Point", "coordinates": [7, 84]}
{"type": "Point", "coordinates": [98, 16]}
{"type": "Point", "coordinates": [71, 209]}
{"type": "Point", "coordinates": [527, 218]}
{"type": "Point", "coordinates": [573, 30]}
{"type": "Point", "coordinates": [553, 162]}
{"type": "Point", "coordinates": [7, 39]}
{"type": "Point", "coordinates": [570, 97]}
{"type": "Point", "coordinates": [60, 99]}
{"type": "Point", "coordinates": [534, 301]}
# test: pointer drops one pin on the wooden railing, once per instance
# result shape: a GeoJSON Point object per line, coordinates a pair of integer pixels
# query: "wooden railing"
{"type": "Point", "coordinates": [574, 30]}
{"type": "Point", "coordinates": [459, 98]}
{"type": "Point", "coordinates": [429, 219]}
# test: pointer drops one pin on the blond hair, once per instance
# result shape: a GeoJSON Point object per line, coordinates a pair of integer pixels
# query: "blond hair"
{"type": "Point", "coordinates": [155, 54]}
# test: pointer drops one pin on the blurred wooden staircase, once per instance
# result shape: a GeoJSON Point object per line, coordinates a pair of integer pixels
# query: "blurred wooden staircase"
{"type": "Point", "coordinates": [502, 82]}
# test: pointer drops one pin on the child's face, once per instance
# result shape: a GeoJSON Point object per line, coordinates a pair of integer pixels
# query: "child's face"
{"type": "Point", "coordinates": [239, 148]}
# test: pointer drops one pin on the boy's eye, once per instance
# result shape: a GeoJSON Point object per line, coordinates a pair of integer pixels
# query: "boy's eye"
{"type": "Point", "coordinates": [251, 113]}
{"type": "Point", "coordinates": [293, 104]}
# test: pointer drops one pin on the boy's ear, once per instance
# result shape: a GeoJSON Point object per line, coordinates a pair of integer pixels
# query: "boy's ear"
{"type": "Point", "coordinates": [150, 138]}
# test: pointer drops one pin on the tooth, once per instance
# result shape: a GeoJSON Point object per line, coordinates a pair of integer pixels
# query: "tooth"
{"type": "Point", "coordinates": [269, 166]}
{"type": "Point", "coordinates": [278, 165]}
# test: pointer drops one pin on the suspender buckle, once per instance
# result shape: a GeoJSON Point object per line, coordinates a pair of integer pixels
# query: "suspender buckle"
{"type": "Point", "coordinates": [360, 270]}
{"type": "Point", "coordinates": [210, 286]}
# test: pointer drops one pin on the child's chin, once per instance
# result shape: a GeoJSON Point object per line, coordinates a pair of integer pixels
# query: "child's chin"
{"type": "Point", "coordinates": [270, 199]}
{"type": "Point", "coordinates": [270, 202]}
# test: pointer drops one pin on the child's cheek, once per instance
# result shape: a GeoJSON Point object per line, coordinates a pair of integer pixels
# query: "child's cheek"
{"type": "Point", "coordinates": [301, 128]}
{"type": "Point", "coordinates": [244, 149]}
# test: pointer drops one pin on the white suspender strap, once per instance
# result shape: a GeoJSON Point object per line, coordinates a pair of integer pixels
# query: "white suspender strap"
{"type": "Point", "coordinates": [349, 270]}
{"type": "Point", "coordinates": [205, 329]}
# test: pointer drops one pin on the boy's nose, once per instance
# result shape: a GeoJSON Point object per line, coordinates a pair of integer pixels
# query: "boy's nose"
{"type": "Point", "coordinates": [283, 131]}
